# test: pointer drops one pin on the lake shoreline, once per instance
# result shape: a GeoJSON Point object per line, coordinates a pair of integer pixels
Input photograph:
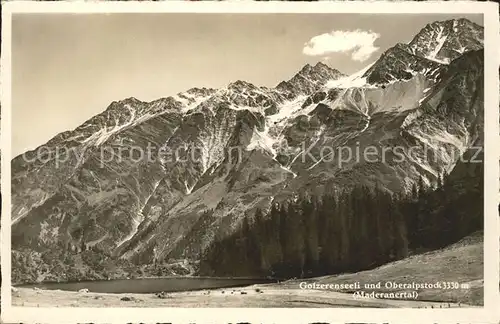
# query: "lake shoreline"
{"type": "Point", "coordinates": [149, 285]}
{"type": "Point", "coordinates": [261, 295]}
{"type": "Point", "coordinates": [461, 263]}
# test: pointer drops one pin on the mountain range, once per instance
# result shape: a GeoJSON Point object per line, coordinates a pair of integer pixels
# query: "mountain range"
{"type": "Point", "coordinates": [233, 150]}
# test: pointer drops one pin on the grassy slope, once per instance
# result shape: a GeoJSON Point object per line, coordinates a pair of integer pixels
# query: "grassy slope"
{"type": "Point", "coordinates": [461, 262]}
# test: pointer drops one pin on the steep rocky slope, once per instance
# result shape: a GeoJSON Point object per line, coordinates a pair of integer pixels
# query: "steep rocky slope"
{"type": "Point", "coordinates": [159, 180]}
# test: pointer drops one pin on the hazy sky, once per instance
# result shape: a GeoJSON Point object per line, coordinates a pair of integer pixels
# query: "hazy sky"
{"type": "Point", "coordinates": [67, 68]}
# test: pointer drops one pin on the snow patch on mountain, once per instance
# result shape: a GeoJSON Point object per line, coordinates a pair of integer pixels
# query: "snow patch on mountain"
{"type": "Point", "coordinates": [47, 234]}
{"type": "Point", "coordinates": [446, 137]}
{"type": "Point", "coordinates": [189, 101]}
{"type": "Point", "coordinates": [263, 140]}
{"type": "Point", "coordinates": [287, 169]}
{"type": "Point", "coordinates": [462, 49]}
{"type": "Point", "coordinates": [104, 134]}
{"type": "Point", "coordinates": [356, 80]}
{"type": "Point", "coordinates": [271, 137]}
{"type": "Point", "coordinates": [410, 118]}
{"type": "Point", "coordinates": [252, 109]}
{"type": "Point", "coordinates": [135, 227]}
{"type": "Point", "coordinates": [288, 110]}
{"type": "Point", "coordinates": [182, 98]}
{"type": "Point", "coordinates": [317, 136]}
{"type": "Point", "coordinates": [368, 119]}
{"type": "Point", "coordinates": [189, 189]}
{"type": "Point", "coordinates": [440, 38]}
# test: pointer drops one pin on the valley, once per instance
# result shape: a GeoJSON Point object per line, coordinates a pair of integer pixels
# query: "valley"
{"type": "Point", "coordinates": [325, 177]}
{"type": "Point", "coordinates": [461, 262]}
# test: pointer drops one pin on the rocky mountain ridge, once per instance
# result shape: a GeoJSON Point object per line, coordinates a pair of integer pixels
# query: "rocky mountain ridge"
{"type": "Point", "coordinates": [216, 155]}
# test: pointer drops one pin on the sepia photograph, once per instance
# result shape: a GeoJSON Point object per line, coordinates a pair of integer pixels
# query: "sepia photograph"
{"type": "Point", "coordinates": [269, 158]}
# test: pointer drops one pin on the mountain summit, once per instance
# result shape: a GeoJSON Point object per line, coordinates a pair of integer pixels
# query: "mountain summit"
{"type": "Point", "coordinates": [435, 46]}
{"type": "Point", "coordinates": [309, 78]}
{"type": "Point", "coordinates": [444, 41]}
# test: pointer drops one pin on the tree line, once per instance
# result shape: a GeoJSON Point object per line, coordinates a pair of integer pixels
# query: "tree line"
{"type": "Point", "coordinates": [350, 231]}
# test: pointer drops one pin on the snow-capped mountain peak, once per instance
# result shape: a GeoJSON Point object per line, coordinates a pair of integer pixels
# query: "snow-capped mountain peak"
{"type": "Point", "coordinates": [443, 41]}
{"type": "Point", "coordinates": [309, 79]}
{"type": "Point", "coordinates": [429, 52]}
{"type": "Point", "coordinates": [318, 72]}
